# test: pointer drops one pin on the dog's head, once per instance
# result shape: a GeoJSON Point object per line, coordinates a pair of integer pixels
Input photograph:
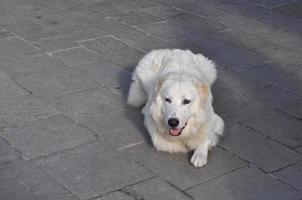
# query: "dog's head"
{"type": "Point", "coordinates": [177, 101]}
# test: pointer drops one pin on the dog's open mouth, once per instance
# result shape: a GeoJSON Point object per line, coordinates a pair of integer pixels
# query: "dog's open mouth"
{"type": "Point", "coordinates": [176, 131]}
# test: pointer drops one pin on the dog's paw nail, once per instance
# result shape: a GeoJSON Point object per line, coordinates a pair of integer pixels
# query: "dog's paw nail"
{"type": "Point", "coordinates": [199, 160]}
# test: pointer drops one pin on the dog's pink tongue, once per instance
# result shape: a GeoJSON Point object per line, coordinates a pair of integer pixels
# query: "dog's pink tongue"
{"type": "Point", "coordinates": [174, 131]}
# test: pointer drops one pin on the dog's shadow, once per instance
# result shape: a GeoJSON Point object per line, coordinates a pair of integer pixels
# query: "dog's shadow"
{"type": "Point", "coordinates": [134, 114]}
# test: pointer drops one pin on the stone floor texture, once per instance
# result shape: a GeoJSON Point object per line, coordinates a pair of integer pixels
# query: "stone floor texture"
{"type": "Point", "coordinates": [67, 134]}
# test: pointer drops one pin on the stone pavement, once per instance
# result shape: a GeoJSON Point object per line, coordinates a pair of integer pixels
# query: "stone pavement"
{"type": "Point", "coordinates": [66, 133]}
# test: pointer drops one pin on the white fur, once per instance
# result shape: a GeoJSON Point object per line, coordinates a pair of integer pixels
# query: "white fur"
{"type": "Point", "coordinates": [177, 75]}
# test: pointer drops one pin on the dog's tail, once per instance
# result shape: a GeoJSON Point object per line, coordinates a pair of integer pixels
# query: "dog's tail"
{"type": "Point", "coordinates": [137, 96]}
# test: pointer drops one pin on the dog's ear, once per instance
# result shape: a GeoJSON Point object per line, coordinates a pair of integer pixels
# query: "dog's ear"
{"type": "Point", "coordinates": [155, 107]}
{"type": "Point", "coordinates": [203, 91]}
{"type": "Point", "coordinates": [158, 86]}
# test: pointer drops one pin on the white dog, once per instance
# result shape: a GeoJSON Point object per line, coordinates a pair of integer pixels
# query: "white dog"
{"type": "Point", "coordinates": [175, 86]}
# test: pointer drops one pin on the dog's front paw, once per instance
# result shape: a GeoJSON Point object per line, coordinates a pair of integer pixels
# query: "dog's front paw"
{"type": "Point", "coordinates": [199, 159]}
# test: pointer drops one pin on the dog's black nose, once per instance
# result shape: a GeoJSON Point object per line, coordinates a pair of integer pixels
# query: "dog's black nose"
{"type": "Point", "coordinates": [173, 122]}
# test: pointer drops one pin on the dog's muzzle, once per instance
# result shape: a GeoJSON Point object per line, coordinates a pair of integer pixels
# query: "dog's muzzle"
{"type": "Point", "coordinates": [176, 131]}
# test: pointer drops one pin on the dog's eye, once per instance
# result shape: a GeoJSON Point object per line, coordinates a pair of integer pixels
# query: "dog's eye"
{"type": "Point", "coordinates": [168, 100]}
{"type": "Point", "coordinates": [186, 101]}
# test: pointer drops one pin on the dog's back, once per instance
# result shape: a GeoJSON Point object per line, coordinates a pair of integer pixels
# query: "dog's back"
{"type": "Point", "coordinates": [159, 63]}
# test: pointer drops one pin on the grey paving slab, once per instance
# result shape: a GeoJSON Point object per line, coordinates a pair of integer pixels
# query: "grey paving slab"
{"type": "Point", "coordinates": [196, 44]}
{"type": "Point", "coordinates": [7, 154]}
{"type": "Point", "coordinates": [55, 43]}
{"type": "Point", "coordinates": [269, 122]}
{"type": "Point", "coordinates": [148, 43]}
{"type": "Point", "coordinates": [115, 196]}
{"type": "Point", "coordinates": [181, 173]}
{"type": "Point", "coordinates": [282, 38]}
{"type": "Point", "coordinates": [299, 149]}
{"type": "Point", "coordinates": [292, 9]}
{"type": "Point", "coordinates": [279, 54]}
{"type": "Point", "coordinates": [263, 42]}
{"type": "Point", "coordinates": [117, 29]}
{"type": "Point", "coordinates": [257, 108]}
{"type": "Point", "coordinates": [233, 57]}
{"type": "Point", "coordinates": [238, 38]}
{"type": "Point", "coordinates": [257, 149]}
{"type": "Point", "coordinates": [137, 18]}
{"type": "Point", "coordinates": [293, 27]}
{"type": "Point", "coordinates": [5, 34]}
{"type": "Point", "coordinates": [274, 17]}
{"type": "Point", "coordinates": [225, 50]}
{"type": "Point", "coordinates": [90, 102]}
{"type": "Point", "coordinates": [230, 94]}
{"type": "Point", "coordinates": [28, 64]}
{"type": "Point", "coordinates": [59, 6]}
{"type": "Point", "coordinates": [82, 32]}
{"type": "Point", "coordinates": [291, 175]}
{"type": "Point", "coordinates": [26, 8]}
{"type": "Point", "coordinates": [234, 20]}
{"type": "Point", "coordinates": [281, 100]}
{"type": "Point", "coordinates": [102, 8]}
{"type": "Point", "coordinates": [56, 20]}
{"type": "Point", "coordinates": [29, 30]}
{"type": "Point", "coordinates": [120, 128]}
{"type": "Point", "coordinates": [154, 189]}
{"type": "Point", "coordinates": [202, 25]}
{"type": "Point", "coordinates": [83, 15]}
{"type": "Point", "coordinates": [168, 30]}
{"type": "Point", "coordinates": [162, 11]}
{"type": "Point", "coordinates": [9, 89]}
{"type": "Point", "coordinates": [266, 26]}
{"type": "Point", "coordinates": [61, 81]}
{"type": "Point", "coordinates": [224, 53]}
{"type": "Point", "coordinates": [47, 136]}
{"type": "Point", "coordinates": [199, 8]}
{"type": "Point", "coordinates": [277, 76]}
{"type": "Point", "coordinates": [115, 51]}
{"type": "Point", "coordinates": [21, 111]}
{"type": "Point", "coordinates": [174, 3]}
{"type": "Point", "coordinates": [227, 100]}
{"type": "Point", "coordinates": [7, 17]}
{"type": "Point", "coordinates": [244, 184]}
{"type": "Point", "coordinates": [130, 5]}
{"type": "Point", "coordinates": [108, 74]}
{"type": "Point", "coordinates": [15, 47]}
{"type": "Point", "coordinates": [273, 3]}
{"type": "Point", "coordinates": [76, 56]}
{"type": "Point", "coordinates": [294, 74]}
{"type": "Point", "coordinates": [246, 4]}
{"type": "Point", "coordinates": [22, 180]}
{"type": "Point", "coordinates": [92, 169]}
{"type": "Point", "coordinates": [22, 7]}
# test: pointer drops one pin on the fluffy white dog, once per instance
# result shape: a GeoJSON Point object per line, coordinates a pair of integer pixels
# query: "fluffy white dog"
{"type": "Point", "coordinates": [175, 87]}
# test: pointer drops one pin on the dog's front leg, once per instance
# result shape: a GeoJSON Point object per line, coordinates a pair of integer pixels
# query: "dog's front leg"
{"type": "Point", "coordinates": [200, 155]}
